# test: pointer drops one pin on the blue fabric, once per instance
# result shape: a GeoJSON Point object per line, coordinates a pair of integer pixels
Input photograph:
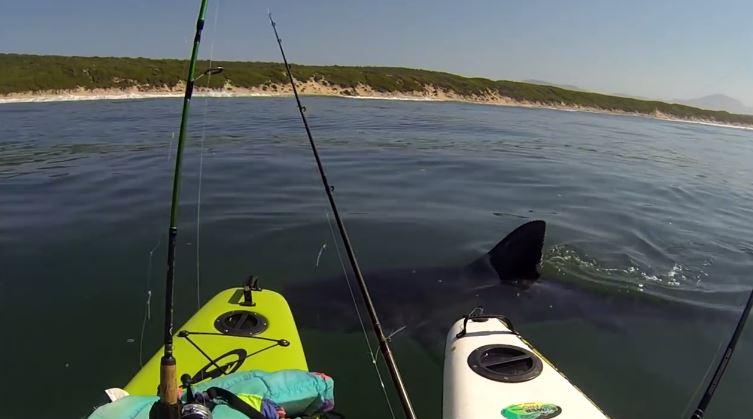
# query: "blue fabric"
{"type": "Point", "coordinates": [298, 392]}
{"type": "Point", "coordinates": [269, 409]}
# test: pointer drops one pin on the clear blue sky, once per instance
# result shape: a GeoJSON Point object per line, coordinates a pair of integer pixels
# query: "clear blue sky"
{"type": "Point", "coordinates": [657, 49]}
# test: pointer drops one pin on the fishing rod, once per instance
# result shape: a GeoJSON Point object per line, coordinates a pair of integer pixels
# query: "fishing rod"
{"type": "Point", "coordinates": [724, 362]}
{"type": "Point", "coordinates": [168, 388]}
{"type": "Point", "coordinates": [383, 340]}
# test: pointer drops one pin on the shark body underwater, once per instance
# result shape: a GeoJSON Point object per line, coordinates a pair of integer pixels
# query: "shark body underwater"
{"type": "Point", "coordinates": [424, 302]}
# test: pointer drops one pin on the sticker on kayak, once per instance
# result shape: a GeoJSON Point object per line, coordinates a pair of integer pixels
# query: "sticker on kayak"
{"type": "Point", "coordinates": [532, 410]}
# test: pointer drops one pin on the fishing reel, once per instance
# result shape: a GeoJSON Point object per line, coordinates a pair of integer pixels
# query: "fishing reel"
{"type": "Point", "coordinates": [198, 407]}
{"type": "Point", "coordinates": [195, 411]}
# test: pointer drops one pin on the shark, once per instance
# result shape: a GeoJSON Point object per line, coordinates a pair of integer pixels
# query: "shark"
{"type": "Point", "coordinates": [425, 301]}
{"type": "Point", "coordinates": [610, 338]}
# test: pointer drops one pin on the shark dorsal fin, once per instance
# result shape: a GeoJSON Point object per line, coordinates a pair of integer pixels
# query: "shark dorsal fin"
{"type": "Point", "coordinates": [518, 255]}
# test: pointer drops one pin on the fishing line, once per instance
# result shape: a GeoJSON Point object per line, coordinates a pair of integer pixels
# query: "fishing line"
{"type": "Point", "coordinates": [391, 335]}
{"type": "Point", "coordinates": [358, 314]}
{"type": "Point", "coordinates": [319, 255]}
{"type": "Point", "coordinates": [723, 363]}
{"type": "Point", "coordinates": [705, 378]}
{"type": "Point", "coordinates": [373, 355]}
{"type": "Point", "coordinates": [148, 302]}
{"type": "Point", "coordinates": [170, 147]}
{"type": "Point", "coordinates": [398, 330]}
{"type": "Point", "coordinates": [201, 160]}
{"type": "Point", "coordinates": [384, 346]}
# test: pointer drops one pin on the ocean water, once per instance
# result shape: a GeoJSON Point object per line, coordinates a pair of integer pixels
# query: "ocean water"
{"type": "Point", "coordinates": [636, 205]}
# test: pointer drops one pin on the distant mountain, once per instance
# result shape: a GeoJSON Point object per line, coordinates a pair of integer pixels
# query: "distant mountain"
{"type": "Point", "coordinates": [718, 102]}
{"type": "Point", "coordinates": [546, 83]}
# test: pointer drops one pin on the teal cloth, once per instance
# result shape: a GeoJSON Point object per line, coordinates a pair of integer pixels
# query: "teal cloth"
{"type": "Point", "coordinates": [298, 392]}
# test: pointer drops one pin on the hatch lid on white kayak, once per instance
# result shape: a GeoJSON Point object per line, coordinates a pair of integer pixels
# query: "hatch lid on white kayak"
{"type": "Point", "coordinates": [491, 372]}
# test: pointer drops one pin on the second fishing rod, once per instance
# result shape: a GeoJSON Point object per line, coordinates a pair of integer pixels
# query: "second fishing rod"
{"type": "Point", "coordinates": [384, 345]}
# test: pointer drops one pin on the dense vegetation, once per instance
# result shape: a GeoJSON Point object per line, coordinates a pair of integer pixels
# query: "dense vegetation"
{"type": "Point", "coordinates": [30, 73]}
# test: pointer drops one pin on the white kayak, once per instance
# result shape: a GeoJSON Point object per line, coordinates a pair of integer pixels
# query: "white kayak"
{"type": "Point", "coordinates": [490, 372]}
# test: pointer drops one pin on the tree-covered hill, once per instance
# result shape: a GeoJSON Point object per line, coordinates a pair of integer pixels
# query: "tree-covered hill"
{"type": "Point", "coordinates": [42, 73]}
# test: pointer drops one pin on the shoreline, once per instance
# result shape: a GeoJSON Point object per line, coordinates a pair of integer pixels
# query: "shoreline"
{"type": "Point", "coordinates": [311, 88]}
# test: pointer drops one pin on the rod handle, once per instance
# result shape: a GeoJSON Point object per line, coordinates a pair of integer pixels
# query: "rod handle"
{"type": "Point", "coordinates": [168, 382]}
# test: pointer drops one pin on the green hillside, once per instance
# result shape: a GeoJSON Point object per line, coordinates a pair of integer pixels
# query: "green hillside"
{"type": "Point", "coordinates": [29, 73]}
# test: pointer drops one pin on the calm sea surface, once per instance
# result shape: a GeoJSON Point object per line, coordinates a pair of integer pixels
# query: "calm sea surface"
{"type": "Point", "coordinates": [635, 204]}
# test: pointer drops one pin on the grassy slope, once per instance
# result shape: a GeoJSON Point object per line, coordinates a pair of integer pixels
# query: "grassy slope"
{"type": "Point", "coordinates": [24, 73]}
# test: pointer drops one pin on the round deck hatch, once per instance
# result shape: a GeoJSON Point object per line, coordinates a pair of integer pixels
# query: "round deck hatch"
{"type": "Point", "coordinates": [505, 363]}
{"type": "Point", "coordinates": [241, 323]}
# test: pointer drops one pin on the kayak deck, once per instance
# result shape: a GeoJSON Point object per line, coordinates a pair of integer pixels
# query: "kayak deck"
{"type": "Point", "coordinates": [227, 335]}
{"type": "Point", "coordinates": [491, 372]}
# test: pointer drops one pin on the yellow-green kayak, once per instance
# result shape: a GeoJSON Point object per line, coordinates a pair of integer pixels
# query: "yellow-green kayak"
{"type": "Point", "coordinates": [228, 334]}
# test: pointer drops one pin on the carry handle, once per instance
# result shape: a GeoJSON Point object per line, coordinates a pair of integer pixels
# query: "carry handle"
{"type": "Point", "coordinates": [478, 317]}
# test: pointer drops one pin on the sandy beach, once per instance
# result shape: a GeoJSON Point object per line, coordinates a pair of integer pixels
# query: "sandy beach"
{"type": "Point", "coordinates": [314, 88]}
